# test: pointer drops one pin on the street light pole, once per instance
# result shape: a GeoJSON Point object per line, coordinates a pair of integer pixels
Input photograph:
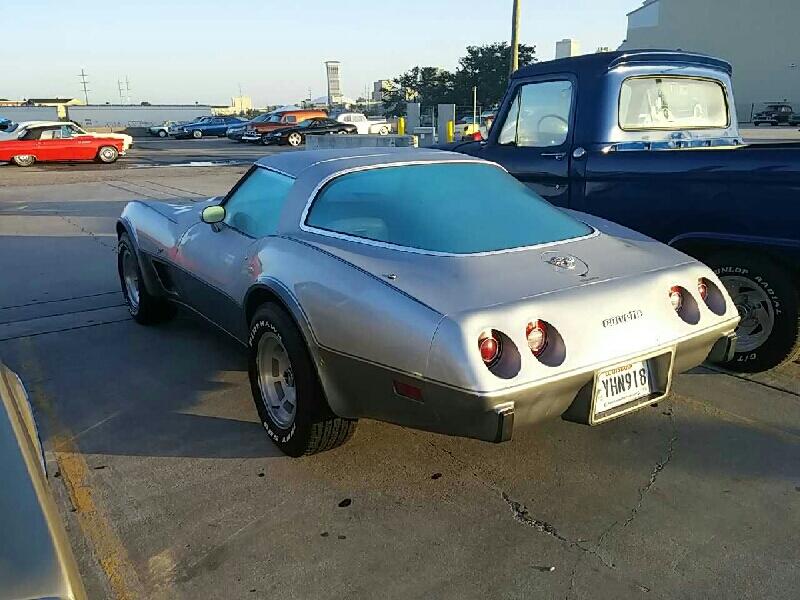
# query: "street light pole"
{"type": "Point", "coordinates": [515, 37]}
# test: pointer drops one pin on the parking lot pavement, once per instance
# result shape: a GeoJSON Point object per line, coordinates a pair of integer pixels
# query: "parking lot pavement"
{"type": "Point", "coordinates": [170, 489]}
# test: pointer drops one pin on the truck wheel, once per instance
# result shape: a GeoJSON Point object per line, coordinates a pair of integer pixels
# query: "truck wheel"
{"type": "Point", "coordinates": [768, 303]}
{"type": "Point", "coordinates": [145, 308]}
{"type": "Point", "coordinates": [197, 134]}
{"type": "Point", "coordinates": [107, 154]}
{"type": "Point", "coordinates": [286, 390]}
{"type": "Point", "coordinates": [24, 160]}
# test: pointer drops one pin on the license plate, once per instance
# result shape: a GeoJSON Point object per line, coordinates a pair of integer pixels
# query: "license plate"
{"type": "Point", "coordinates": [622, 384]}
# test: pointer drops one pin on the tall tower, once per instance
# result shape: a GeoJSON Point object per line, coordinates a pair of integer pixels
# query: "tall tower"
{"type": "Point", "coordinates": [334, 82]}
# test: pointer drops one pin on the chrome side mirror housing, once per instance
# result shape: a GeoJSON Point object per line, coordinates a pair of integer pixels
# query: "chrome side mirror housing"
{"type": "Point", "coordinates": [213, 214]}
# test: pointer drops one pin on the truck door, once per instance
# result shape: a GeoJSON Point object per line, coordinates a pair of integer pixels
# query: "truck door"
{"type": "Point", "coordinates": [533, 138]}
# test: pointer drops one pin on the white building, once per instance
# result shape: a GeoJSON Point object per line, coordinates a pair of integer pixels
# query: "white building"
{"type": "Point", "coordinates": [334, 82]}
{"type": "Point", "coordinates": [760, 40]}
{"type": "Point", "coordinates": [567, 47]}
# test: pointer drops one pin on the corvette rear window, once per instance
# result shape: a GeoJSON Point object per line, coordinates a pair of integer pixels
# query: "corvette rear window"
{"type": "Point", "coordinates": [456, 208]}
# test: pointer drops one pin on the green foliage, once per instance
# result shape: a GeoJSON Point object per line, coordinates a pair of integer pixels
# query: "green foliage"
{"type": "Point", "coordinates": [483, 66]}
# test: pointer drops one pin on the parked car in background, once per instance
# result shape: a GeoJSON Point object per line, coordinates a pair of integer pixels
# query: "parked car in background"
{"type": "Point", "coordinates": [17, 130]}
{"type": "Point", "coordinates": [36, 560]}
{"type": "Point", "coordinates": [254, 132]}
{"type": "Point", "coordinates": [176, 128]}
{"type": "Point", "coordinates": [295, 136]}
{"type": "Point", "coordinates": [5, 124]}
{"type": "Point", "coordinates": [466, 127]}
{"type": "Point", "coordinates": [366, 125]}
{"type": "Point", "coordinates": [235, 132]}
{"type": "Point", "coordinates": [163, 129]}
{"type": "Point", "coordinates": [774, 114]}
{"type": "Point", "coordinates": [649, 139]}
{"type": "Point", "coordinates": [59, 142]}
{"type": "Point", "coordinates": [211, 126]}
{"type": "Point", "coordinates": [438, 292]}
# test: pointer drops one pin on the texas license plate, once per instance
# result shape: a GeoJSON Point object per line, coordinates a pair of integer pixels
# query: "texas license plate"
{"type": "Point", "coordinates": [622, 384]}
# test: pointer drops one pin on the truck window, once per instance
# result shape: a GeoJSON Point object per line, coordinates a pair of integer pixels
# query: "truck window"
{"type": "Point", "coordinates": [659, 102]}
{"type": "Point", "coordinates": [539, 116]}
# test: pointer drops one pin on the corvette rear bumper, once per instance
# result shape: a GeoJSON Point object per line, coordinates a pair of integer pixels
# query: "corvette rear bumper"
{"type": "Point", "coordinates": [358, 389]}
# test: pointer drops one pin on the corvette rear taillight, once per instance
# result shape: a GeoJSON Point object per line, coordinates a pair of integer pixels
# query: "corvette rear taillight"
{"type": "Point", "coordinates": [676, 297]}
{"type": "Point", "coordinates": [702, 288]}
{"type": "Point", "coordinates": [536, 333]}
{"type": "Point", "coordinates": [490, 347]}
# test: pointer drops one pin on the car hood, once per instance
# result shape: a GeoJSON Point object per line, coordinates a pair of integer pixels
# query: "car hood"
{"type": "Point", "coordinates": [455, 284]}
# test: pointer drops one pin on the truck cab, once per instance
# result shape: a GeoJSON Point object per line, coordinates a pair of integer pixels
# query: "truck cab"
{"type": "Point", "coordinates": [649, 139]}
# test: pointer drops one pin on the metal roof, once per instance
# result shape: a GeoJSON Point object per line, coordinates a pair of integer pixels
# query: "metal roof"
{"type": "Point", "coordinates": [604, 61]}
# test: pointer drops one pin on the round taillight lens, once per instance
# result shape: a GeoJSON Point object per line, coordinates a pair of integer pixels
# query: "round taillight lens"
{"type": "Point", "coordinates": [536, 333]}
{"type": "Point", "coordinates": [489, 346]}
{"type": "Point", "coordinates": [676, 297]}
{"type": "Point", "coordinates": [702, 288]}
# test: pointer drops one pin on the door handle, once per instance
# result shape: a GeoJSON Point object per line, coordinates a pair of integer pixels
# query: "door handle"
{"type": "Point", "coordinates": [556, 155]}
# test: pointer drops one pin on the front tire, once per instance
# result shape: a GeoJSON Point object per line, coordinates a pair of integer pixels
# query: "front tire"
{"type": "Point", "coordinates": [769, 304]}
{"type": "Point", "coordinates": [107, 154]}
{"type": "Point", "coordinates": [197, 134]}
{"type": "Point", "coordinates": [162, 133]}
{"type": "Point", "coordinates": [295, 139]}
{"type": "Point", "coordinates": [145, 308]}
{"type": "Point", "coordinates": [384, 130]}
{"type": "Point", "coordinates": [24, 160]}
{"type": "Point", "coordinates": [286, 389]}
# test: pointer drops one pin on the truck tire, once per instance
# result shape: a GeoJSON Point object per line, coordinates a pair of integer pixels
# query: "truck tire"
{"type": "Point", "coordinates": [286, 390]}
{"type": "Point", "coordinates": [768, 301]}
{"type": "Point", "coordinates": [145, 308]}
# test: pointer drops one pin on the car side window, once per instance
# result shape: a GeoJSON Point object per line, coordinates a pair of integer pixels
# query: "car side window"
{"type": "Point", "coordinates": [255, 207]}
{"type": "Point", "coordinates": [291, 119]}
{"type": "Point", "coordinates": [539, 115]}
{"type": "Point", "coordinates": [48, 134]}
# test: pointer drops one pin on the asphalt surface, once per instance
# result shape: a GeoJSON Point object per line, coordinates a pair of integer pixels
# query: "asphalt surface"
{"type": "Point", "coordinates": [170, 488]}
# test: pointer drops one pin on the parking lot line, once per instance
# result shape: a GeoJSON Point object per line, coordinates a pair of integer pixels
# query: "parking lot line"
{"type": "Point", "coordinates": [92, 517]}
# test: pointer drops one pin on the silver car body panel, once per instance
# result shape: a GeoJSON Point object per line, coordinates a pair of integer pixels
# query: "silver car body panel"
{"type": "Point", "coordinates": [373, 314]}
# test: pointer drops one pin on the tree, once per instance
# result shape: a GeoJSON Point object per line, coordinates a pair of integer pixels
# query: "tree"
{"type": "Point", "coordinates": [426, 85]}
{"type": "Point", "coordinates": [487, 68]}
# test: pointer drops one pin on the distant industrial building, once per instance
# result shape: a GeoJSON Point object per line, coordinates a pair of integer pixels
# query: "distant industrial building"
{"type": "Point", "coordinates": [567, 47]}
{"type": "Point", "coordinates": [60, 104]}
{"type": "Point", "coordinates": [759, 39]}
{"type": "Point", "coordinates": [239, 105]}
{"type": "Point", "coordinates": [334, 82]}
{"type": "Point", "coordinates": [379, 88]}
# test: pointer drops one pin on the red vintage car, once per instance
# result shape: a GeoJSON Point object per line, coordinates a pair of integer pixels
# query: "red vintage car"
{"type": "Point", "coordinates": [50, 143]}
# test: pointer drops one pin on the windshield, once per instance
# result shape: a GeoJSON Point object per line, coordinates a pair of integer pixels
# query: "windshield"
{"type": "Point", "coordinates": [307, 123]}
{"type": "Point", "coordinates": [672, 103]}
{"type": "Point", "coordinates": [458, 208]}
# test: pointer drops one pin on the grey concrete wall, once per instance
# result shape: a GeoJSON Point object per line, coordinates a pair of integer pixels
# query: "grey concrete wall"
{"type": "Point", "coordinates": [318, 142]}
{"type": "Point", "coordinates": [759, 39]}
{"type": "Point", "coordinates": [111, 115]}
{"type": "Point", "coordinates": [444, 113]}
{"type": "Point", "coordinates": [29, 113]}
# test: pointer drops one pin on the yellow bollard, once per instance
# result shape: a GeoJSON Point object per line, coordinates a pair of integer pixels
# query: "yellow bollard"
{"type": "Point", "coordinates": [401, 126]}
{"type": "Point", "coordinates": [451, 132]}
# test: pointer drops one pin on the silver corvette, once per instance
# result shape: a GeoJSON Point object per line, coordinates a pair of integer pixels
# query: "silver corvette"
{"type": "Point", "coordinates": [424, 288]}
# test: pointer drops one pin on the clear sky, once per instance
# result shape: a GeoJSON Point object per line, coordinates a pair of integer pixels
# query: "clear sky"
{"type": "Point", "coordinates": [182, 51]}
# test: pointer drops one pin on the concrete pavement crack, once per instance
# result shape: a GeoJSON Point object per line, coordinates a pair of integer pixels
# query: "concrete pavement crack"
{"type": "Point", "coordinates": [90, 233]}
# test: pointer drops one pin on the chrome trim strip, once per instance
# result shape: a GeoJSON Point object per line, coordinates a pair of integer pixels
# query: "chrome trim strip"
{"type": "Point", "coordinates": [388, 246]}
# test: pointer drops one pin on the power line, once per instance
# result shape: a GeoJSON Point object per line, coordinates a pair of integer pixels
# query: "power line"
{"type": "Point", "coordinates": [84, 84]}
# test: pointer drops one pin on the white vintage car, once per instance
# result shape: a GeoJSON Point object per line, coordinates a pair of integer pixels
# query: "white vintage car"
{"type": "Point", "coordinates": [15, 132]}
{"type": "Point", "coordinates": [365, 125]}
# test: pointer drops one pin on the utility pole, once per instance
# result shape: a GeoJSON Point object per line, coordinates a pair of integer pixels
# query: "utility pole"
{"type": "Point", "coordinates": [119, 87]}
{"type": "Point", "coordinates": [515, 37]}
{"type": "Point", "coordinates": [127, 89]}
{"type": "Point", "coordinates": [84, 83]}
{"type": "Point", "coordinates": [474, 105]}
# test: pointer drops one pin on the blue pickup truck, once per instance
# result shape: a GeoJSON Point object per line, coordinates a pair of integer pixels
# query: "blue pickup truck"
{"type": "Point", "coordinates": [649, 139]}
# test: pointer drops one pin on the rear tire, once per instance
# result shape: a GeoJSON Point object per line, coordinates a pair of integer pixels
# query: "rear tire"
{"type": "Point", "coordinates": [24, 160]}
{"type": "Point", "coordinates": [295, 139]}
{"type": "Point", "coordinates": [769, 303]}
{"type": "Point", "coordinates": [107, 154]}
{"type": "Point", "coordinates": [384, 130]}
{"type": "Point", "coordinates": [145, 308]}
{"type": "Point", "coordinates": [286, 390]}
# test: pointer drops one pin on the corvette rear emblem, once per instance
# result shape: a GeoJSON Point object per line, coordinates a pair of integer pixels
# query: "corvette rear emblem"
{"type": "Point", "coordinates": [565, 263]}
